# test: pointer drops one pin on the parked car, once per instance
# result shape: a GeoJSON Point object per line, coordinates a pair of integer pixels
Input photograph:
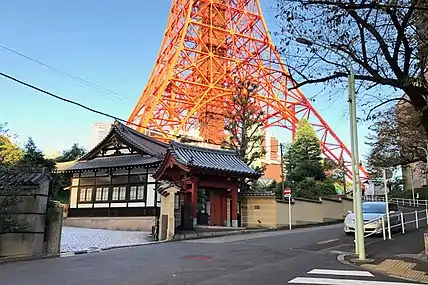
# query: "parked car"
{"type": "Point", "coordinates": [372, 218]}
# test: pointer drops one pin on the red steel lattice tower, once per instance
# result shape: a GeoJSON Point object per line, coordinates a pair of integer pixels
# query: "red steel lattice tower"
{"type": "Point", "coordinates": [207, 46]}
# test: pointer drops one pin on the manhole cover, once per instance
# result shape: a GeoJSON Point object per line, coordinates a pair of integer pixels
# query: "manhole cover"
{"type": "Point", "coordinates": [198, 257]}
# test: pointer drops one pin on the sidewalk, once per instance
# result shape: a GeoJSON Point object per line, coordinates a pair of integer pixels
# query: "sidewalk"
{"type": "Point", "coordinates": [399, 257]}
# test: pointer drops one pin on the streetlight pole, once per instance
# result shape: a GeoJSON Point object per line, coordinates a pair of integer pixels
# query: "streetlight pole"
{"type": "Point", "coordinates": [357, 195]}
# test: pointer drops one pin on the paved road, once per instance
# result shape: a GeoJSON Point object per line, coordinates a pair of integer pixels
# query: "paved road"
{"type": "Point", "coordinates": [267, 258]}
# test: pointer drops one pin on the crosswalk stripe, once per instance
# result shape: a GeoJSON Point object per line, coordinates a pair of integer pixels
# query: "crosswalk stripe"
{"type": "Point", "coordinates": [341, 272]}
{"type": "Point", "coordinates": [328, 281]}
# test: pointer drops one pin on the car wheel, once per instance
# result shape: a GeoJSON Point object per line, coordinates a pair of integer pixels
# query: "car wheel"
{"type": "Point", "coordinates": [349, 233]}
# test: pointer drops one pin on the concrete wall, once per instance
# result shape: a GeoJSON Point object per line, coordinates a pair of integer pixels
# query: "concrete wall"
{"type": "Point", "coordinates": [21, 244]}
{"type": "Point", "coordinates": [29, 241]}
{"type": "Point", "coordinates": [266, 212]}
{"type": "Point", "coordinates": [258, 212]}
{"type": "Point", "coordinates": [112, 223]}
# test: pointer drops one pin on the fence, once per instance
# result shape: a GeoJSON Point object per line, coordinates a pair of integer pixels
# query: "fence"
{"type": "Point", "coordinates": [403, 201]}
{"type": "Point", "coordinates": [386, 224]}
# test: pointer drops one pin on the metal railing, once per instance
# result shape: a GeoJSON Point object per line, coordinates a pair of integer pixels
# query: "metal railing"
{"type": "Point", "coordinates": [416, 217]}
{"type": "Point", "coordinates": [402, 201]}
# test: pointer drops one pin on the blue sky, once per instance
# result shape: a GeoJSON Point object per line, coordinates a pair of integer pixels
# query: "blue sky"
{"type": "Point", "coordinates": [112, 44]}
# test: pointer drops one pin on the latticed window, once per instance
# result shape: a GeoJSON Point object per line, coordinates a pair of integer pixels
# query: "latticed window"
{"type": "Point", "coordinates": [119, 193]}
{"type": "Point", "coordinates": [101, 194]}
{"type": "Point", "coordinates": [85, 195]}
{"type": "Point", "coordinates": [136, 193]}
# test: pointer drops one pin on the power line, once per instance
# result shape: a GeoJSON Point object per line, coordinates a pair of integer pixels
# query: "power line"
{"type": "Point", "coordinates": [92, 109]}
{"type": "Point", "coordinates": [82, 105]}
{"type": "Point", "coordinates": [73, 102]}
{"type": "Point", "coordinates": [82, 81]}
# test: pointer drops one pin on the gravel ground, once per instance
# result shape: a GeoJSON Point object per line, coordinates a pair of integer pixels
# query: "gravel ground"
{"type": "Point", "coordinates": [76, 239]}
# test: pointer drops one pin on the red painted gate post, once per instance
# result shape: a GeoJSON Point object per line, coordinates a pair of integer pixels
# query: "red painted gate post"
{"type": "Point", "coordinates": [195, 201]}
{"type": "Point", "coordinates": [234, 207]}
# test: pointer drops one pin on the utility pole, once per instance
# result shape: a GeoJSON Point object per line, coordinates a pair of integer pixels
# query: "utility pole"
{"type": "Point", "coordinates": [344, 176]}
{"type": "Point", "coordinates": [359, 226]}
{"type": "Point", "coordinates": [282, 169]}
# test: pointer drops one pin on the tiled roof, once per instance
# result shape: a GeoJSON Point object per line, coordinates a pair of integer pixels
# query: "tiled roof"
{"type": "Point", "coordinates": [22, 177]}
{"type": "Point", "coordinates": [210, 159]}
{"type": "Point", "coordinates": [113, 162]}
{"type": "Point", "coordinates": [135, 139]}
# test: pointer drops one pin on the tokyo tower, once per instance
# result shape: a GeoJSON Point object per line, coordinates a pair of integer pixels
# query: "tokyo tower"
{"type": "Point", "coordinates": [208, 45]}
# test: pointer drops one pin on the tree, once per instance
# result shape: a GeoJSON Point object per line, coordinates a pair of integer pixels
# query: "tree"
{"type": "Point", "coordinates": [34, 158]}
{"type": "Point", "coordinates": [62, 180]}
{"type": "Point", "coordinates": [303, 156]}
{"type": "Point", "coordinates": [398, 138]}
{"type": "Point", "coordinates": [10, 153]}
{"type": "Point", "coordinates": [385, 40]}
{"type": "Point", "coordinates": [76, 151]}
{"type": "Point", "coordinates": [245, 120]}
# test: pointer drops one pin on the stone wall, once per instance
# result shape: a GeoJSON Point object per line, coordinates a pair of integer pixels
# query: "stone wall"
{"type": "Point", "coordinates": [266, 212]}
{"type": "Point", "coordinates": [33, 238]}
{"type": "Point", "coordinates": [112, 223]}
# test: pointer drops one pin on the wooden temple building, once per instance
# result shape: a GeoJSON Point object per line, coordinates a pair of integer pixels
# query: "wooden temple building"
{"type": "Point", "coordinates": [117, 184]}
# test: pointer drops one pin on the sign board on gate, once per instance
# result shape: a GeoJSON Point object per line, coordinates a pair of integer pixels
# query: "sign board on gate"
{"type": "Point", "coordinates": [287, 192]}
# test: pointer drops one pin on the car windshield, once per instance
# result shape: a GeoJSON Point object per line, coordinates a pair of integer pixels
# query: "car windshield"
{"type": "Point", "coordinates": [374, 208]}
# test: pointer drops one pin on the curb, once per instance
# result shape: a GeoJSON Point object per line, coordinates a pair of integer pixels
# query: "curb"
{"type": "Point", "coordinates": [341, 259]}
{"type": "Point", "coordinates": [197, 236]}
{"type": "Point", "coordinates": [252, 231]}
{"type": "Point", "coordinates": [27, 258]}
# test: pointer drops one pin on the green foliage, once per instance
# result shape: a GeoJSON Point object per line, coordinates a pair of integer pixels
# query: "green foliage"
{"type": "Point", "coordinates": [245, 120]}
{"type": "Point", "coordinates": [62, 180]}
{"type": "Point", "coordinates": [306, 170]}
{"type": "Point", "coordinates": [10, 153]}
{"type": "Point", "coordinates": [10, 220]}
{"type": "Point", "coordinates": [264, 186]}
{"type": "Point", "coordinates": [34, 158]}
{"type": "Point", "coordinates": [76, 151]}
{"type": "Point", "coordinates": [303, 156]}
{"type": "Point", "coordinates": [312, 189]}
{"type": "Point", "coordinates": [423, 193]}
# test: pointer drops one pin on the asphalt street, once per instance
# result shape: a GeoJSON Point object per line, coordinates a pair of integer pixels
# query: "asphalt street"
{"type": "Point", "coordinates": [284, 257]}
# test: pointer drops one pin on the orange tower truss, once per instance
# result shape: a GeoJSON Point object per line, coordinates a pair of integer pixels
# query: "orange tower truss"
{"type": "Point", "coordinates": [208, 45]}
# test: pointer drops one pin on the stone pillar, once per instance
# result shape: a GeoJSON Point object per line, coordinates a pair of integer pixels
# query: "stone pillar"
{"type": "Point", "coordinates": [195, 201]}
{"type": "Point", "coordinates": [54, 230]}
{"type": "Point", "coordinates": [171, 217]}
{"type": "Point", "coordinates": [234, 207]}
{"type": "Point", "coordinates": [228, 211]}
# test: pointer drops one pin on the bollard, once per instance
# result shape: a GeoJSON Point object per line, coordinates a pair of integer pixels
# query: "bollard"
{"type": "Point", "coordinates": [402, 223]}
{"type": "Point", "coordinates": [417, 219]}
{"type": "Point", "coordinates": [426, 215]}
{"type": "Point", "coordinates": [383, 228]}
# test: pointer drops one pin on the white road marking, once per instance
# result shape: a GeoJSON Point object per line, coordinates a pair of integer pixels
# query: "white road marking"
{"type": "Point", "coordinates": [328, 281]}
{"type": "Point", "coordinates": [341, 272]}
{"type": "Point", "coordinates": [328, 241]}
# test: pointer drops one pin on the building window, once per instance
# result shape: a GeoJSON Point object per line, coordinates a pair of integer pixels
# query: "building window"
{"type": "Point", "coordinates": [119, 193]}
{"type": "Point", "coordinates": [102, 194]}
{"type": "Point", "coordinates": [136, 193]}
{"type": "Point", "coordinates": [85, 195]}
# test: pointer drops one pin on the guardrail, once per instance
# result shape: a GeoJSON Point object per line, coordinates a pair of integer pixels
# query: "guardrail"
{"type": "Point", "coordinates": [416, 218]}
{"type": "Point", "coordinates": [402, 201]}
